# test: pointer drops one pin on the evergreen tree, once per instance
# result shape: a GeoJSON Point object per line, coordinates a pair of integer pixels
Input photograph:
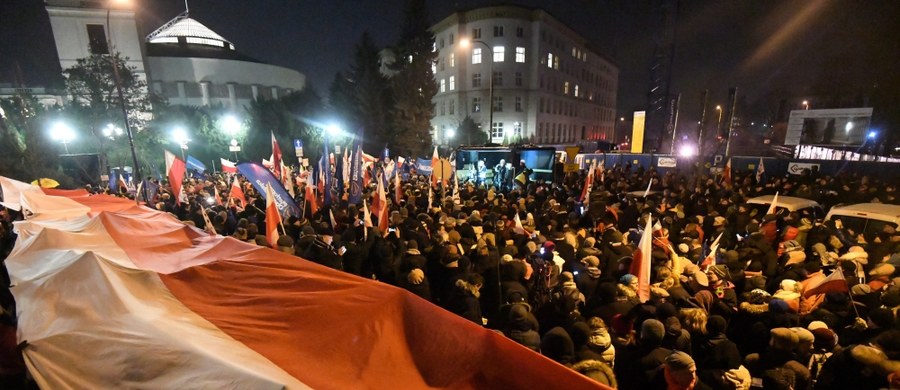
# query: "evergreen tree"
{"type": "Point", "coordinates": [413, 82]}
{"type": "Point", "coordinates": [28, 151]}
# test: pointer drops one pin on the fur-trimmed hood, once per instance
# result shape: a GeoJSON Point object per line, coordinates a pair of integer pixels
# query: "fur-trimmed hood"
{"type": "Point", "coordinates": [465, 286]}
{"type": "Point", "coordinates": [756, 309]}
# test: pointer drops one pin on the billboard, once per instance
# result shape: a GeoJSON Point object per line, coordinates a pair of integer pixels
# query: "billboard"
{"type": "Point", "coordinates": [637, 132]}
{"type": "Point", "coordinates": [839, 127]}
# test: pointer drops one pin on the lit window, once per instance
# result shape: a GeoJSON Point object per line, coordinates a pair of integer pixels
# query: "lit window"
{"type": "Point", "coordinates": [550, 60]}
{"type": "Point", "coordinates": [497, 130]}
{"type": "Point", "coordinates": [520, 55]}
{"type": "Point", "coordinates": [518, 79]}
{"type": "Point", "coordinates": [517, 129]}
{"type": "Point", "coordinates": [453, 83]}
{"type": "Point", "coordinates": [574, 52]}
{"type": "Point", "coordinates": [452, 59]}
{"type": "Point", "coordinates": [476, 104]}
{"type": "Point", "coordinates": [498, 103]}
{"type": "Point", "coordinates": [499, 53]}
{"type": "Point", "coordinates": [576, 88]}
{"type": "Point", "coordinates": [476, 55]}
{"type": "Point", "coordinates": [434, 67]}
{"type": "Point", "coordinates": [476, 80]}
{"type": "Point", "coordinates": [565, 87]}
{"type": "Point", "coordinates": [556, 63]}
{"type": "Point", "coordinates": [443, 85]}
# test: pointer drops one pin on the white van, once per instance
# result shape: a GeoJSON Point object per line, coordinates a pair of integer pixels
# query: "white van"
{"type": "Point", "coordinates": [867, 218]}
{"type": "Point", "coordinates": [792, 204]}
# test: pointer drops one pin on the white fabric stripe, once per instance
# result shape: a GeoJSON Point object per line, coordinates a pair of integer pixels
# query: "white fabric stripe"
{"type": "Point", "coordinates": [93, 320]}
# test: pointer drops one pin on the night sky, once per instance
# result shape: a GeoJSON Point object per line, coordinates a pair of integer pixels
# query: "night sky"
{"type": "Point", "coordinates": [763, 47]}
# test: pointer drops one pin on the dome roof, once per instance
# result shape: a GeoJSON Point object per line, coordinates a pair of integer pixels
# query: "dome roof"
{"type": "Point", "coordinates": [190, 31]}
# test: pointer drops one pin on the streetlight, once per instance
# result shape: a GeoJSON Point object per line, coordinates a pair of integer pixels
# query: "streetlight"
{"type": "Point", "coordinates": [231, 124]}
{"type": "Point", "coordinates": [719, 121]}
{"type": "Point", "coordinates": [464, 43]}
{"type": "Point", "coordinates": [180, 136]}
{"type": "Point", "coordinates": [806, 104]}
{"type": "Point", "coordinates": [62, 132]}
{"type": "Point", "coordinates": [112, 131]}
{"type": "Point", "coordinates": [118, 79]}
{"type": "Point", "coordinates": [449, 135]}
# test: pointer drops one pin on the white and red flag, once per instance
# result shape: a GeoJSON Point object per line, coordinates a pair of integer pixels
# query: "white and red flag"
{"type": "Point", "coordinates": [228, 166]}
{"type": "Point", "coordinates": [640, 263]}
{"type": "Point", "coordinates": [175, 169]}
{"type": "Point", "coordinates": [273, 217]}
{"type": "Point", "coordinates": [276, 157]}
{"type": "Point", "coordinates": [237, 193]}
{"type": "Point", "coordinates": [831, 283]}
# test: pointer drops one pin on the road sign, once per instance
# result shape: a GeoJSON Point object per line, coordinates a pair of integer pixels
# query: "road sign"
{"type": "Point", "coordinates": [571, 168]}
{"type": "Point", "coordinates": [571, 152]}
{"type": "Point", "coordinates": [298, 147]}
{"type": "Point", "coordinates": [234, 148]}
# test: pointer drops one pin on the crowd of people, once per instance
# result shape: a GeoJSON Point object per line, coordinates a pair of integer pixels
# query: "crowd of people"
{"type": "Point", "coordinates": [550, 271]}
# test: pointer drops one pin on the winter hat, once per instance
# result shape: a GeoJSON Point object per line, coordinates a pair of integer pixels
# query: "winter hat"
{"type": "Point", "coordinates": [790, 285]}
{"type": "Point", "coordinates": [757, 282]}
{"type": "Point", "coordinates": [506, 258]}
{"type": "Point", "coordinates": [566, 277]}
{"type": "Point", "coordinates": [591, 261]}
{"type": "Point", "coordinates": [652, 331]}
{"type": "Point", "coordinates": [598, 371]}
{"type": "Point", "coordinates": [683, 248]}
{"type": "Point", "coordinates": [855, 252]}
{"type": "Point", "coordinates": [590, 242]}
{"type": "Point", "coordinates": [783, 338]}
{"type": "Point", "coordinates": [558, 346]}
{"type": "Point", "coordinates": [891, 299]}
{"type": "Point", "coordinates": [816, 325]}
{"type": "Point", "coordinates": [732, 256]}
{"type": "Point", "coordinates": [718, 221]}
{"type": "Point", "coordinates": [795, 257]}
{"type": "Point", "coordinates": [715, 324]}
{"type": "Point", "coordinates": [826, 339]}
{"type": "Point", "coordinates": [792, 245]}
{"type": "Point", "coordinates": [627, 279]}
{"type": "Point", "coordinates": [416, 276]}
{"type": "Point", "coordinates": [883, 269]}
{"type": "Point", "coordinates": [752, 227]}
{"type": "Point", "coordinates": [673, 326]}
{"type": "Point", "coordinates": [860, 289]}
{"type": "Point", "coordinates": [803, 335]}
{"type": "Point", "coordinates": [719, 270]}
{"type": "Point", "coordinates": [680, 370]}
{"type": "Point", "coordinates": [778, 306]}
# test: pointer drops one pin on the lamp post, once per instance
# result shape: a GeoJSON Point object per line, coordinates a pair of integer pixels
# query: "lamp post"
{"type": "Point", "coordinates": [63, 133]}
{"type": "Point", "coordinates": [118, 80]}
{"type": "Point", "coordinates": [465, 42]}
{"type": "Point", "coordinates": [719, 121]}
{"type": "Point", "coordinates": [806, 104]}
{"type": "Point", "coordinates": [180, 136]}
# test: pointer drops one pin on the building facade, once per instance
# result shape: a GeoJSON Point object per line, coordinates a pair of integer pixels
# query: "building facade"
{"type": "Point", "coordinates": [548, 85]}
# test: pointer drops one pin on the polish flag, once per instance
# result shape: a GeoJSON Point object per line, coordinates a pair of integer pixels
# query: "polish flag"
{"type": "Point", "coordinates": [122, 183]}
{"type": "Point", "coordinates": [773, 205]}
{"type": "Point", "coordinates": [435, 161]}
{"type": "Point", "coordinates": [640, 263]}
{"type": "Point", "coordinates": [175, 169]}
{"type": "Point", "coordinates": [398, 190]}
{"type": "Point", "coordinates": [380, 200]}
{"type": "Point", "coordinates": [276, 156]}
{"type": "Point", "coordinates": [237, 193]}
{"type": "Point", "coordinates": [310, 196]}
{"type": "Point", "coordinates": [218, 198]}
{"type": "Point", "coordinates": [367, 216]}
{"type": "Point", "coordinates": [726, 173]}
{"type": "Point", "coordinates": [228, 166]}
{"type": "Point", "coordinates": [273, 218]}
{"type": "Point", "coordinates": [647, 192]}
{"type": "Point", "coordinates": [832, 283]}
{"type": "Point", "coordinates": [518, 228]}
{"type": "Point", "coordinates": [586, 189]}
{"type": "Point", "coordinates": [713, 249]}
{"type": "Point", "coordinates": [207, 224]}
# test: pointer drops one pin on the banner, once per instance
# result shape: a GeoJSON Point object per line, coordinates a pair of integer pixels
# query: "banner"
{"type": "Point", "coordinates": [194, 164]}
{"type": "Point", "coordinates": [637, 132]}
{"type": "Point", "coordinates": [259, 176]}
{"type": "Point", "coordinates": [423, 166]}
{"type": "Point", "coordinates": [356, 173]}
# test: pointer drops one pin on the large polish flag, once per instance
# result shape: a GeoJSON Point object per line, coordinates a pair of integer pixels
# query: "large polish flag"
{"type": "Point", "coordinates": [97, 306]}
{"type": "Point", "coordinates": [640, 263]}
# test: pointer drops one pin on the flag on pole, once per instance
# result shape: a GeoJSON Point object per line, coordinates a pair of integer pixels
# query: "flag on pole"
{"type": "Point", "coordinates": [518, 228]}
{"type": "Point", "coordinates": [760, 171]}
{"type": "Point", "coordinates": [398, 190]}
{"type": "Point", "coordinates": [137, 193]}
{"type": "Point", "coordinates": [332, 220]}
{"type": "Point", "coordinates": [310, 196]}
{"type": "Point", "coordinates": [435, 159]}
{"type": "Point", "coordinates": [207, 224]}
{"type": "Point", "coordinates": [356, 174]}
{"type": "Point", "coordinates": [273, 217]}
{"type": "Point", "coordinates": [367, 221]}
{"type": "Point", "coordinates": [726, 173]}
{"type": "Point", "coordinates": [713, 250]}
{"type": "Point", "coordinates": [326, 166]}
{"type": "Point", "coordinates": [237, 193]}
{"type": "Point", "coordinates": [774, 204]}
{"type": "Point", "coordinates": [195, 164]}
{"type": "Point", "coordinates": [831, 283]}
{"type": "Point", "coordinates": [647, 192]}
{"type": "Point", "coordinates": [276, 156]}
{"type": "Point", "coordinates": [175, 169]}
{"type": "Point", "coordinates": [216, 194]}
{"type": "Point", "coordinates": [227, 166]}
{"type": "Point", "coordinates": [380, 200]}
{"type": "Point", "coordinates": [286, 179]}
{"type": "Point", "coordinates": [586, 189]}
{"type": "Point", "coordinates": [640, 263]}
{"type": "Point", "coordinates": [121, 183]}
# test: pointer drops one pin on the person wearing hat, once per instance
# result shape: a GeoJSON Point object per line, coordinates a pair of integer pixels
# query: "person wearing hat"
{"type": "Point", "coordinates": [720, 285]}
{"type": "Point", "coordinates": [880, 276]}
{"type": "Point", "coordinates": [780, 357]}
{"type": "Point", "coordinates": [860, 258]}
{"type": "Point", "coordinates": [637, 366]}
{"type": "Point", "coordinates": [862, 366]}
{"type": "Point", "coordinates": [716, 354]}
{"type": "Point", "coordinates": [416, 282]}
{"type": "Point", "coordinates": [589, 277]}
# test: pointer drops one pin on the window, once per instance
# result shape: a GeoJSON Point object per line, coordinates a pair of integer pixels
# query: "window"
{"type": "Point", "coordinates": [497, 130]}
{"type": "Point", "coordinates": [476, 33]}
{"type": "Point", "coordinates": [443, 111]}
{"type": "Point", "coordinates": [443, 85]}
{"type": "Point", "coordinates": [476, 55]}
{"type": "Point", "coordinates": [520, 32]}
{"type": "Point", "coordinates": [576, 90]}
{"type": "Point", "coordinates": [520, 55]}
{"type": "Point", "coordinates": [498, 31]}
{"type": "Point", "coordinates": [550, 60]}
{"type": "Point", "coordinates": [476, 104]}
{"type": "Point", "coordinates": [453, 83]}
{"type": "Point", "coordinates": [498, 79]}
{"type": "Point", "coordinates": [541, 109]}
{"type": "Point", "coordinates": [97, 39]}
{"type": "Point", "coordinates": [452, 60]}
{"type": "Point", "coordinates": [452, 109]}
{"type": "Point", "coordinates": [556, 63]}
{"type": "Point", "coordinates": [565, 87]}
{"type": "Point", "coordinates": [451, 38]}
{"type": "Point", "coordinates": [518, 104]}
{"type": "Point", "coordinates": [574, 52]}
{"type": "Point", "coordinates": [518, 79]}
{"type": "Point", "coordinates": [440, 64]}
{"type": "Point", "coordinates": [434, 67]}
{"type": "Point", "coordinates": [517, 129]}
{"type": "Point", "coordinates": [499, 53]}
{"type": "Point", "coordinates": [476, 80]}
{"type": "Point", "coordinates": [498, 103]}
{"type": "Point", "coordinates": [442, 43]}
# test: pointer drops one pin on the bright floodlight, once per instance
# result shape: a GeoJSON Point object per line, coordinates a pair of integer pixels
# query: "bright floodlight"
{"type": "Point", "coordinates": [231, 124]}
{"type": "Point", "coordinates": [687, 151]}
{"type": "Point", "coordinates": [848, 127]}
{"type": "Point", "coordinates": [62, 132]}
{"type": "Point", "coordinates": [333, 131]}
{"type": "Point", "coordinates": [180, 135]}
{"type": "Point", "coordinates": [873, 134]}
{"type": "Point", "coordinates": [464, 42]}
{"type": "Point", "coordinates": [451, 133]}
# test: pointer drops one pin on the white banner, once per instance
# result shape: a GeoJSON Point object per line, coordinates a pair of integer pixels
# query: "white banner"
{"type": "Point", "coordinates": [796, 168]}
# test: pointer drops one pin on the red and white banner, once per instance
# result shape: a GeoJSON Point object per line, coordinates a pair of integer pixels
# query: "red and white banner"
{"type": "Point", "coordinates": [641, 262]}
{"type": "Point", "coordinates": [175, 169]}
{"type": "Point", "coordinates": [113, 295]}
{"type": "Point", "coordinates": [227, 166]}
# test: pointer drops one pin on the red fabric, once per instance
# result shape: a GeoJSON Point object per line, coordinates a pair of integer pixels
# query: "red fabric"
{"type": "Point", "coordinates": [238, 193]}
{"type": "Point", "coordinates": [832, 283]}
{"type": "Point", "coordinates": [175, 170]}
{"type": "Point", "coordinates": [273, 219]}
{"type": "Point", "coordinates": [276, 157]}
{"type": "Point", "coordinates": [66, 193]}
{"type": "Point", "coordinates": [227, 166]}
{"type": "Point", "coordinates": [327, 328]}
{"type": "Point", "coordinates": [640, 263]}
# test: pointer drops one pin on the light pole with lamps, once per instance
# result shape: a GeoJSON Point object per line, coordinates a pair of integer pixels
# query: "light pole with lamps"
{"type": "Point", "coordinates": [63, 133]}
{"type": "Point", "coordinates": [464, 43]}
{"type": "Point", "coordinates": [118, 80]}
{"type": "Point", "coordinates": [806, 104]}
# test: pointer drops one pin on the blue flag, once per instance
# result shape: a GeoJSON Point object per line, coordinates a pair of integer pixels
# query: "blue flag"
{"type": "Point", "coordinates": [423, 166]}
{"type": "Point", "coordinates": [339, 172]}
{"type": "Point", "coordinates": [193, 163]}
{"type": "Point", "coordinates": [259, 176]}
{"type": "Point", "coordinates": [327, 167]}
{"type": "Point", "coordinates": [356, 173]}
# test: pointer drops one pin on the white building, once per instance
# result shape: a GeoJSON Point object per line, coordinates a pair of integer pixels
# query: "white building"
{"type": "Point", "coordinates": [190, 64]}
{"type": "Point", "coordinates": [549, 86]}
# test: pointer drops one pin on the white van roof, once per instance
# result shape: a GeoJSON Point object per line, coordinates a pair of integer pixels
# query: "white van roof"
{"type": "Point", "coordinates": [879, 211]}
{"type": "Point", "coordinates": [788, 202]}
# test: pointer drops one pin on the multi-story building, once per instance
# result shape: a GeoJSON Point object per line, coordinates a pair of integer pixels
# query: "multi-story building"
{"type": "Point", "coordinates": [548, 85]}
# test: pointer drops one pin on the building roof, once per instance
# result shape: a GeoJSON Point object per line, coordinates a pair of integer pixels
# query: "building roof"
{"type": "Point", "coordinates": [187, 30]}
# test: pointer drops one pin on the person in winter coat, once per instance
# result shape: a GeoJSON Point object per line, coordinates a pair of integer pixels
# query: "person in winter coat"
{"type": "Point", "coordinates": [557, 345]}
{"type": "Point", "coordinates": [598, 371]}
{"type": "Point", "coordinates": [521, 327]}
{"type": "Point", "coordinates": [862, 366]}
{"type": "Point", "coordinates": [463, 300]}
{"type": "Point", "coordinates": [716, 354]}
{"type": "Point", "coordinates": [588, 279]}
{"type": "Point", "coordinates": [416, 282]}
